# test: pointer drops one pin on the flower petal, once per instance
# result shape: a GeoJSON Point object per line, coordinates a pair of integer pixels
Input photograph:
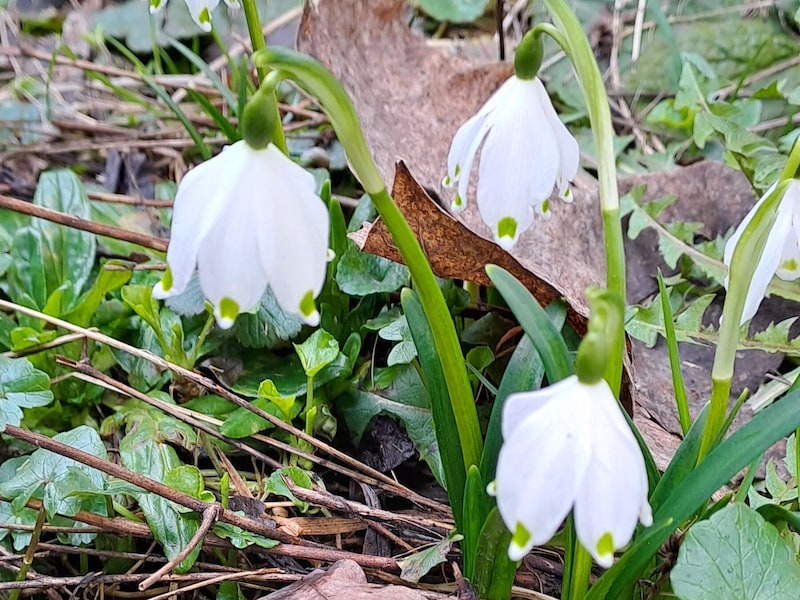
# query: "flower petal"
{"type": "Point", "coordinates": [509, 185]}
{"type": "Point", "coordinates": [519, 406]}
{"type": "Point", "coordinates": [229, 262]}
{"type": "Point", "coordinates": [157, 5]}
{"type": "Point", "coordinates": [539, 470]}
{"type": "Point", "coordinates": [568, 150]}
{"type": "Point", "coordinates": [201, 12]}
{"type": "Point", "coordinates": [203, 195]}
{"type": "Point", "coordinates": [610, 498]}
{"type": "Point", "coordinates": [296, 253]}
{"type": "Point", "coordinates": [770, 257]}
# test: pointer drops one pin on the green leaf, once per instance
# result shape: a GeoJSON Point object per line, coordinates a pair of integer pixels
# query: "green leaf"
{"type": "Point", "coordinates": [276, 484]}
{"type": "Point", "coordinates": [360, 273]}
{"type": "Point", "coordinates": [398, 331]}
{"type": "Point", "coordinates": [398, 392]}
{"type": "Point", "coordinates": [268, 326]}
{"type": "Point", "coordinates": [241, 538]}
{"type": "Point", "coordinates": [455, 11]}
{"type": "Point", "coordinates": [21, 386]}
{"type": "Point", "coordinates": [44, 472]}
{"type": "Point", "coordinates": [189, 480]}
{"type": "Point", "coordinates": [109, 279]}
{"type": "Point", "coordinates": [447, 435]}
{"type": "Point", "coordinates": [47, 256]}
{"type": "Point", "coordinates": [318, 351]}
{"type": "Point", "coordinates": [416, 566]}
{"type": "Point", "coordinates": [140, 299]}
{"type": "Point", "coordinates": [242, 423]}
{"type": "Point", "coordinates": [735, 554]}
{"type": "Point", "coordinates": [547, 340]}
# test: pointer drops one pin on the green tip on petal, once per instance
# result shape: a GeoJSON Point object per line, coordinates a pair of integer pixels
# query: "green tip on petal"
{"type": "Point", "coordinates": [520, 540]}
{"type": "Point", "coordinates": [226, 313]}
{"type": "Point", "coordinates": [155, 5]}
{"type": "Point", "coordinates": [605, 549]}
{"type": "Point", "coordinates": [545, 207]}
{"type": "Point", "coordinates": [166, 280]}
{"type": "Point", "coordinates": [491, 489]}
{"type": "Point", "coordinates": [308, 309]}
{"type": "Point", "coordinates": [205, 19]}
{"type": "Point", "coordinates": [790, 265]}
{"type": "Point", "coordinates": [507, 232]}
{"type": "Point", "coordinates": [458, 202]}
{"type": "Point", "coordinates": [447, 182]}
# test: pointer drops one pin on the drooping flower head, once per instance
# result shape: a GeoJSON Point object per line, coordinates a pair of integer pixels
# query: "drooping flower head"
{"type": "Point", "coordinates": [781, 255]}
{"type": "Point", "coordinates": [200, 10]}
{"type": "Point", "coordinates": [568, 447]}
{"type": "Point", "coordinates": [248, 218]}
{"type": "Point", "coordinates": [525, 152]}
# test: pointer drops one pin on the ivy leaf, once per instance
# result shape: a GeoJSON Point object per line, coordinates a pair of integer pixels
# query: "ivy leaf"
{"type": "Point", "coordinates": [360, 273]}
{"type": "Point", "coordinates": [418, 564]}
{"type": "Point", "coordinates": [735, 554]}
{"type": "Point", "coordinates": [21, 386]}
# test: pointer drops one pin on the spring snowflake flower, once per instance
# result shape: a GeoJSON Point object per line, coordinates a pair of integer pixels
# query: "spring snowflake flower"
{"type": "Point", "coordinates": [527, 151]}
{"type": "Point", "coordinates": [247, 219]}
{"type": "Point", "coordinates": [781, 255]}
{"type": "Point", "coordinates": [566, 447]}
{"type": "Point", "coordinates": [199, 9]}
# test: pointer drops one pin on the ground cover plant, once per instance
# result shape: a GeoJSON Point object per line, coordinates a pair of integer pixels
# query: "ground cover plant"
{"type": "Point", "coordinates": [371, 299]}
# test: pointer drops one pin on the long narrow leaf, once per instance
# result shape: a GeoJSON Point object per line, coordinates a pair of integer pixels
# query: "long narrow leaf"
{"type": "Point", "coordinates": [202, 66]}
{"type": "Point", "coordinates": [447, 436]}
{"type": "Point", "coordinates": [557, 360]}
{"type": "Point", "coordinates": [674, 358]}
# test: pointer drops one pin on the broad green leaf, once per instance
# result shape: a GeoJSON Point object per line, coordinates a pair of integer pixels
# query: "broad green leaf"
{"type": "Point", "coordinates": [398, 392]}
{"type": "Point", "coordinates": [140, 299]}
{"type": "Point", "coordinates": [276, 484]}
{"type": "Point", "coordinates": [455, 11]}
{"type": "Point", "coordinates": [21, 386]}
{"type": "Point", "coordinates": [414, 567]}
{"type": "Point", "coordinates": [242, 423]}
{"type": "Point", "coordinates": [142, 450]}
{"type": "Point", "coordinates": [318, 351]}
{"type": "Point", "coordinates": [735, 554]}
{"type": "Point", "coordinates": [398, 331]}
{"type": "Point", "coordinates": [108, 279]}
{"type": "Point", "coordinates": [50, 257]}
{"type": "Point", "coordinates": [360, 273]}
{"type": "Point", "coordinates": [241, 538]}
{"type": "Point", "coordinates": [47, 475]}
{"type": "Point", "coordinates": [268, 326]}
{"type": "Point", "coordinates": [189, 480]}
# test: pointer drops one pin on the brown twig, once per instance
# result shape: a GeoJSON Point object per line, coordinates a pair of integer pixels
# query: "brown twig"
{"type": "Point", "coordinates": [55, 216]}
{"type": "Point", "coordinates": [156, 487]}
{"type": "Point", "coordinates": [379, 478]}
{"type": "Point", "coordinates": [210, 516]}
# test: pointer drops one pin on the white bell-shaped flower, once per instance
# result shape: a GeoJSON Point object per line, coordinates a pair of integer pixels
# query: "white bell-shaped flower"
{"type": "Point", "coordinates": [568, 447]}
{"type": "Point", "coordinates": [527, 152]}
{"type": "Point", "coordinates": [247, 219]}
{"type": "Point", "coordinates": [200, 10]}
{"type": "Point", "coordinates": [781, 255]}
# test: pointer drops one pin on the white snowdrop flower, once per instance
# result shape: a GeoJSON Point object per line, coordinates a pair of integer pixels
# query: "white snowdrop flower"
{"type": "Point", "coordinates": [568, 447]}
{"type": "Point", "coordinates": [246, 219]}
{"type": "Point", "coordinates": [200, 10]}
{"type": "Point", "coordinates": [527, 152]}
{"type": "Point", "coordinates": [781, 255]}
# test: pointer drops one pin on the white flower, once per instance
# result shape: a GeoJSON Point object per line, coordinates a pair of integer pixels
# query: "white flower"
{"type": "Point", "coordinates": [248, 218]}
{"type": "Point", "coordinates": [527, 151]}
{"type": "Point", "coordinates": [781, 255]}
{"type": "Point", "coordinates": [568, 446]}
{"type": "Point", "coordinates": [199, 9]}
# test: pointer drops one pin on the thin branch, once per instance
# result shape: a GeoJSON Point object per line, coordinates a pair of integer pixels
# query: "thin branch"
{"type": "Point", "coordinates": [55, 216]}
{"type": "Point", "coordinates": [210, 516]}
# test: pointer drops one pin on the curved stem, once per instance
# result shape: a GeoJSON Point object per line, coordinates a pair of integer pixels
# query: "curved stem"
{"type": "Point", "coordinates": [573, 41]}
{"type": "Point", "coordinates": [257, 41]}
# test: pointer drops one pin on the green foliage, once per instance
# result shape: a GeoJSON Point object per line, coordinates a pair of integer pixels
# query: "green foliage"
{"type": "Point", "coordinates": [457, 11]}
{"type": "Point", "coordinates": [21, 386]}
{"type": "Point", "coordinates": [735, 554]}
{"type": "Point", "coordinates": [420, 563]}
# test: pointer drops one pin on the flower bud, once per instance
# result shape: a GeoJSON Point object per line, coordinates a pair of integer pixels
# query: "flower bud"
{"type": "Point", "coordinates": [598, 345]}
{"type": "Point", "coordinates": [528, 56]}
{"type": "Point", "coordinates": [260, 118]}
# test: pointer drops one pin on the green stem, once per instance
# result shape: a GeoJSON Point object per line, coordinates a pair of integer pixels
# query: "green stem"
{"type": "Point", "coordinates": [444, 333]}
{"type": "Point", "coordinates": [200, 339]}
{"type": "Point", "coordinates": [257, 41]}
{"type": "Point", "coordinates": [743, 264]}
{"type": "Point", "coordinates": [579, 574]}
{"type": "Point", "coordinates": [577, 47]}
{"type": "Point", "coordinates": [30, 552]}
{"type": "Point", "coordinates": [309, 405]}
{"type": "Point", "coordinates": [318, 81]}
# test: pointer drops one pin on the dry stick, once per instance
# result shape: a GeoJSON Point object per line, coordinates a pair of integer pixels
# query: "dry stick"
{"type": "Point", "coordinates": [220, 390]}
{"type": "Point", "coordinates": [55, 216]}
{"type": "Point", "coordinates": [126, 199]}
{"type": "Point", "coordinates": [92, 375]}
{"type": "Point", "coordinates": [150, 485]}
{"type": "Point", "coordinates": [211, 581]}
{"type": "Point", "coordinates": [210, 515]}
{"type": "Point", "coordinates": [59, 341]}
{"type": "Point", "coordinates": [124, 527]}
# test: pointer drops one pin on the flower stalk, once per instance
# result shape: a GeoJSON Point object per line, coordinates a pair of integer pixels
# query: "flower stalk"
{"type": "Point", "coordinates": [315, 79]}
{"type": "Point", "coordinates": [576, 46]}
